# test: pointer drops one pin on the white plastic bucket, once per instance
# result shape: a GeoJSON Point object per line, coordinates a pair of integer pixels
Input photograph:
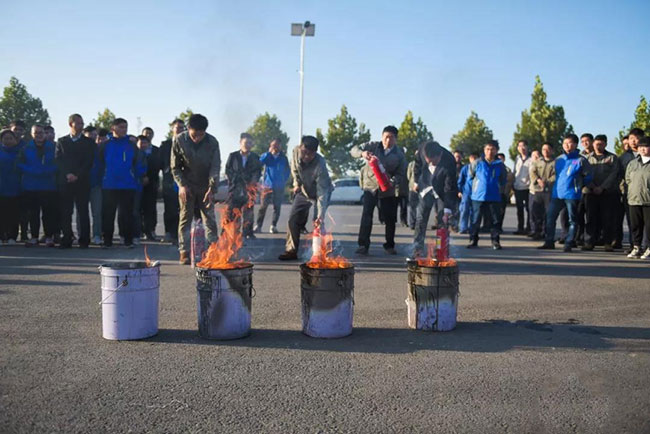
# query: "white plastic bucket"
{"type": "Point", "coordinates": [130, 292]}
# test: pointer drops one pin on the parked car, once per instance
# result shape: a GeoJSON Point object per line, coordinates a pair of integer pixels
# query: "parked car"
{"type": "Point", "coordinates": [347, 190]}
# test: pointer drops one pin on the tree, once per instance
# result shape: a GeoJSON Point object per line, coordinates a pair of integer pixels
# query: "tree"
{"type": "Point", "coordinates": [184, 116]}
{"type": "Point", "coordinates": [104, 119]}
{"type": "Point", "coordinates": [472, 137]}
{"type": "Point", "coordinates": [641, 120]}
{"type": "Point", "coordinates": [266, 128]}
{"type": "Point", "coordinates": [412, 135]}
{"type": "Point", "coordinates": [342, 135]}
{"type": "Point", "coordinates": [18, 103]}
{"type": "Point", "coordinates": [541, 123]}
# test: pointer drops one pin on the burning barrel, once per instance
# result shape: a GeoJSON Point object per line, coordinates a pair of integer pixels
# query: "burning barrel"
{"type": "Point", "coordinates": [327, 296]}
{"type": "Point", "coordinates": [432, 299]}
{"type": "Point", "coordinates": [224, 301]}
{"type": "Point", "coordinates": [130, 292]}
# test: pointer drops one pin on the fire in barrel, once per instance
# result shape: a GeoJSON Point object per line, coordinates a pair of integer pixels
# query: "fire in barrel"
{"type": "Point", "coordinates": [326, 291]}
{"type": "Point", "coordinates": [224, 285]}
{"type": "Point", "coordinates": [432, 299]}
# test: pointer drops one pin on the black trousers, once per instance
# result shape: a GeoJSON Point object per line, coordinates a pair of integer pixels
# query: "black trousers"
{"type": "Point", "coordinates": [148, 211]}
{"type": "Point", "coordinates": [538, 206]}
{"type": "Point", "coordinates": [489, 210]}
{"type": "Point", "coordinates": [9, 217]}
{"type": "Point", "coordinates": [120, 201]}
{"type": "Point", "coordinates": [36, 202]}
{"type": "Point", "coordinates": [600, 214]}
{"type": "Point", "coordinates": [297, 220]}
{"type": "Point", "coordinates": [414, 198]}
{"type": "Point", "coordinates": [274, 196]}
{"type": "Point", "coordinates": [171, 212]}
{"type": "Point", "coordinates": [640, 222]}
{"type": "Point", "coordinates": [73, 195]}
{"type": "Point", "coordinates": [389, 211]}
{"type": "Point", "coordinates": [403, 202]}
{"type": "Point", "coordinates": [521, 199]}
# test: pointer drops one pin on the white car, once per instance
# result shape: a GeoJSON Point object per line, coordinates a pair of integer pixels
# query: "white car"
{"type": "Point", "coordinates": [347, 190]}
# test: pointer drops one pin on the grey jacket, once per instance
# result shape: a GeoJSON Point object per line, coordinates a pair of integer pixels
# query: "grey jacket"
{"type": "Point", "coordinates": [313, 180]}
{"type": "Point", "coordinates": [196, 165]}
{"type": "Point", "coordinates": [395, 164]}
{"type": "Point", "coordinates": [606, 171]}
{"type": "Point", "coordinates": [544, 170]}
{"type": "Point", "coordinates": [637, 179]}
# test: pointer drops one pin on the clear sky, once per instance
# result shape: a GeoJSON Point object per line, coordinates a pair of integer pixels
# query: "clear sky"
{"type": "Point", "coordinates": [234, 60]}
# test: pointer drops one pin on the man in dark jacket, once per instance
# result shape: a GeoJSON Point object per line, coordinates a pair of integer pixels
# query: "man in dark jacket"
{"type": "Point", "coordinates": [150, 184]}
{"type": "Point", "coordinates": [276, 174]}
{"type": "Point", "coordinates": [243, 170]}
{"type": "Point", "coordinates": [394, 161]}
{"type": "Point", "coordinates": [435, 174]}
{"type": "Point", "coordinates": [74, 158]}
{"type": "Point", "coordinates": [169, 187]}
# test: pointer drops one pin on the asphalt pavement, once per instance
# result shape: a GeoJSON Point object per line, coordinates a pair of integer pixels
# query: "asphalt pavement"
{"type": "Point", "coordinates": [546, 342]}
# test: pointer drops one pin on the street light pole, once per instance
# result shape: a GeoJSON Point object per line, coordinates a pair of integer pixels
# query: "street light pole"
{"type": "Point", "coordinates": [302, 30]}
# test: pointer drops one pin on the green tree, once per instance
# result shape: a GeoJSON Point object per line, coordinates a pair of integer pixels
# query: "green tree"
{"type": "Point", "coordinates": [412, 134]}
{"type": "Point", "coordinates": [266, 128]}
{"type": "Point", "coordinates": [104, 119]}
{"type": "Point", "coordinates": [18, 103]}
{"type": "Point", "coordinates": [342, 135]}
{"type": "Point", "coordinates": [184, 116]}
{"type": "Point", "coordinates": [472, 137]}
{"type": "Point", "coordinates": [641, 120]}
{"type": "Point", "coordinates": [541, 123]}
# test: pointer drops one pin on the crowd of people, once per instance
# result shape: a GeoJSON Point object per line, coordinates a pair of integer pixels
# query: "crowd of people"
{"type": "Point", "coordinates": [103, 173]}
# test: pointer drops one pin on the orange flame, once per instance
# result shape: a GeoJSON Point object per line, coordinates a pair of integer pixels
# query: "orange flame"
{"type": "Point", "coordinates": [324, 258]}
{"type": "Point", "coordinates": [147, 260]}
{"type": "Point", "coordinates": [431, 261]}
{"type": "Point", "coordinates": [223, 253]}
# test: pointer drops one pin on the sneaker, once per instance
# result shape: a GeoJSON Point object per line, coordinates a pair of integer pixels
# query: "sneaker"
{"type": "Point", "coordinates": [49, 242]}
{"type": "Point", "coordinates": [646, 254]}
{"type": "Point", "coordinates": [391, 251]}
{"type": "Point", "coordinates": [288, 256]}
{"type": "Point", "coordinates": [547, 246]}
{"type": "Point", "coordinates": [567, 248]}
{"type": "Point", "coordinates": [473, 244]}
{"type": "Point", "coordinates": [97, 240]}
{"type": "Point", "coordinates": [635, 253]}
{"type": "Point", "coordinates": [257, 229]}
{"type": "Point", "coordinates": [496, 245]}
{"type": "Point", "coordinates": [273, 230]}
{"type": "Point", "coordinates": [362, 250]}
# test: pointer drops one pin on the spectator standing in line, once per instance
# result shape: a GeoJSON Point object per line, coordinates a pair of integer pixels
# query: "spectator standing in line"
{"type": "Point", "coordinates": [394, 161]}
{"type": "Point", "coordinates": [276, 174]}
{"type": "Point", "coordinates": [243, 171]}
{"type": "Point", "coordinates": [9, 188]}
{"type": "Point", "coordinates": [488, 175]}
{"type": "Point", "coordinates": [637, 178]}
{"type": "Point", "coordinates": [18, 128]}
{"type": "Point", "coordinates": [150, 183]}
{"type": "Point", "coordinates": [464, 194]}
{"type": "Point", "coordinates": [506, 193]}
{"type": "Point", "coordinates": [38, 169]}
{"type": "Point", "coordinates": [572, 171]}
{"type": "Point", "coordinates": [169, 186]}
{"type": "Point", "coordinates": [634, 136]}
{"type": "Point", "coordinates": [74, 158]}
{"type": "Point", "coordinates": [96, 175]}
{"type": "Point", "coordinates": [600, 196]}
{"type": "Point", "coordinates": [522, 187]}
{"type": "Point", "coordinates": [49, 133]}
{"type": "Point", "coordinates": [195, 164]}
{"type": "Point", "coordinates": [143, 144]}
{"type": "Point", "coordinates": [123, 165]}
{"type": "Point", "coordinates": [311, 185]}
{"type": "Point", "coordinates": [542, 177]}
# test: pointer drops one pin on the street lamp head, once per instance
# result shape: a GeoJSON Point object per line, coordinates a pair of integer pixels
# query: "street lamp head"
{"type": "Point", "coordinates": [298, 29]}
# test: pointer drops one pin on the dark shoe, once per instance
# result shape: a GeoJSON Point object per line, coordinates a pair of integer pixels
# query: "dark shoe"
{"type": "Point", "coordinates": [538, 237]}
{"type": "Point", "coordinates": [150, 237]}
{"type": "Point", "coordinates": [617, 246]}
{"type": "Point", "coordinates": [391, 251]}
{"type": "Point", "coordinates": [184, 258]}
{"type": "Point", "coordinates": [496, 245]}
{"type": "Point", "coordinates": [567, 248]}
{"type": "Point", "coordinates": [362, 250]}
{"type": "Point", "coordinates": [609, 248]}
{"type": "Point", "coordinates": [587, 247]}
{"type": "Point", "coordinates": [106, 246]}
{"type": "Point", "coordinates": [561, 240]}
{"type": "Point", "coordinates": [530, 234]}
{"type": "Point", "coordinates": [547, 246]}
{"type": "Point", "coordinates": [572, 244]}
{"type": "Point", "coordinates": [288, 256]}
{"type": "Point", "coordinates": [65, 246]}
{"type": "Point", "coordinates": [519, 232]}
{"type": "Point", "coordinates": [472, 244]}
{"type": "Point", "coordinates": [83, 246]}
{"type": "Point", "coordinates": [251, 236]}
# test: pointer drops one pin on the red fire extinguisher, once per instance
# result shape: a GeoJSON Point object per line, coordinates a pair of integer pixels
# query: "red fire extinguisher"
{"type": "Point", "coordinates": [197, 241]}
{"type": "Point", "coordinates": [442, 244]}
{"type": "Point", "coordinates": [380, 173]}
{"type": "Point", "coordinates": [316, 244]}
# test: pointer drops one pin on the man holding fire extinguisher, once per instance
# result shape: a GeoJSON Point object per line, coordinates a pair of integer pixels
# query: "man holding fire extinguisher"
{"type": "Point", "coordinates": [384, 179]}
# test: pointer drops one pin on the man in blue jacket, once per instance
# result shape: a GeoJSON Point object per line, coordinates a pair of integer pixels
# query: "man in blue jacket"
{"type": "Point", "coordinates": [122, 165]}
{"type": "Point", "coordinates": [38, 169]}
{"type": "Point", "coordinates": [488, 176]}
{"type": "Point", "coordinates": [9, 187]}
{"type": "Point", "coordinates": [572, 172]}
{"type": "Point", "coordinates": [276, 174]}
{"type": "Point", "coordinates": [464, 193]}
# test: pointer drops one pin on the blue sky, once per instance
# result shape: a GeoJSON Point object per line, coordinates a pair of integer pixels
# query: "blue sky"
{"type": "Point", "coordinates": [234, 60]}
